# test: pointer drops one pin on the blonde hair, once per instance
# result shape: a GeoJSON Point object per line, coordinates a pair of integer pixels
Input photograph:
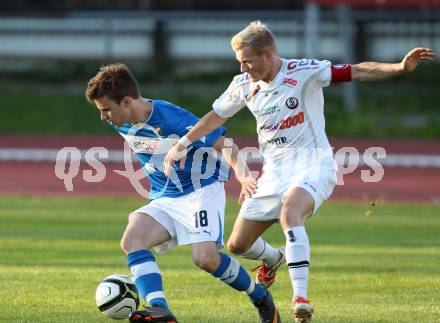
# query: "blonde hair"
{"type": "Point", "coordinates": [257, 36]}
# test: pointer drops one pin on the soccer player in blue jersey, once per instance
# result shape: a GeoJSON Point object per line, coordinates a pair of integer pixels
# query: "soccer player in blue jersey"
{"type": "Point", "coordinates": [186, 208]}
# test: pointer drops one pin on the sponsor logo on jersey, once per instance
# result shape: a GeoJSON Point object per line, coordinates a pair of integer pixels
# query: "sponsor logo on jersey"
{"type": "Point", "coordinates": [302, 65]}
{"type": "Point", "coordinates": [292, 103]}
{"type": "Point", "coordinates": [290, 82]}
{"type": "Point", "coordinates": [285, 123]}
{"type": "Point", "coordinates": [292, 65]}
{"type": "Point", "coordinates": [208, 232]}
{"type": "Point", "coordinates": [276, 141]}
{"type": "Point", "coordinates": [305, 62]}
{"type": "Point", "coordinates": [266, 111]}
{"type": "Point", "coordinates": [146, 145]}
{"type": "Point", "coordinates": [189, 232]}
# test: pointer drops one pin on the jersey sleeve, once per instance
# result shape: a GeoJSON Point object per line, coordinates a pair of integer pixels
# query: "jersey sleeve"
{"type": "Point", "coordinates": [324, 74]}
{"type": "Point", "coordinates": [330, 73]}
{"type": "Point", "coordinates": [231, 101]}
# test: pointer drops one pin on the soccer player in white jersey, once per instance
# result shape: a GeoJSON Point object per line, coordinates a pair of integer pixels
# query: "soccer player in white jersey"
{"type": "Point", "coordinates": [186, 208]}
{"type": "Point", "coordinates": [299, 172]}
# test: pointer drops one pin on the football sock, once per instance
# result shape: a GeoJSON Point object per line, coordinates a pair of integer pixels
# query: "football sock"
{"type": "Point", "coordinates": [298, 259]}
{"type": "Point", "coordinates": [263, 251]}
{"type": "Point", "coordinates": [147, 277]}
{"type": "Point", "coordinates": [230, 272]}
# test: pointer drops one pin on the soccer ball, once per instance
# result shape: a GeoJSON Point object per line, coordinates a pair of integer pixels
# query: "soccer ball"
{"type": "Point", "coordinates": [117, 297]}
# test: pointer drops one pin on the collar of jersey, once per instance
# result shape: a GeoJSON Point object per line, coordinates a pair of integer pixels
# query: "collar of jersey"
{"type": "Point", "coordinates": [139, 125]}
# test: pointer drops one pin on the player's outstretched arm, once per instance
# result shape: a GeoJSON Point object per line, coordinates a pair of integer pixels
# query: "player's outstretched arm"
{"type": "Point", "coordinates": [372, 71]}
{"type": "Point", "coordinates": [208, 123]}
{"type": "Point", "coordinates": [237, 162]}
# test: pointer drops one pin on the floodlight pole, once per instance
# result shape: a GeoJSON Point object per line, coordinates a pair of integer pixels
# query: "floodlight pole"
{"type": "Point", "coordinates": [347, 43]}
{"type": "Point", "coordinates": [347, 34]}
{"type": "Point", "coordinates": [311, 30]}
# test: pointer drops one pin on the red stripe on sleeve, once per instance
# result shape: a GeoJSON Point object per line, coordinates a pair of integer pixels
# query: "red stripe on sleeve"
{"type": "Point", "coordinates": [341, 73]}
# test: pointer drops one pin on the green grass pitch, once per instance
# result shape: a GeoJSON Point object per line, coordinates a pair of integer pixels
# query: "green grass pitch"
{"type": "Point", "coordinates": [368, 265]}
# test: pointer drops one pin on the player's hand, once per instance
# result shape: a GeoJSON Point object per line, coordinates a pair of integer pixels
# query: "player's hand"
{"type": "Point", "coordinates": [415, 56]}
{"type": "Point", "coordinates": [177, 152]}
{"type": "Point", "coordinates": [248, 188]}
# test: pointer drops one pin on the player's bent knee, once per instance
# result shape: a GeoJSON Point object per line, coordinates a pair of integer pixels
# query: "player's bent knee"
{"type": "Point", "coordinates": [292, 218]}
{"type": "Point", "coordinates": [125, 245]}
{"type": "Point", "coordinates": [130, 243]}
{"type": "Point", "coordinates": [236, 248]}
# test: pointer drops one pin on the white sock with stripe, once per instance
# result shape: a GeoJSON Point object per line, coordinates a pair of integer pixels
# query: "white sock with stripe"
{"type": "Point", "coordinates": [263, 251]}
{"type": "Point", "coordinates": [298, 259]}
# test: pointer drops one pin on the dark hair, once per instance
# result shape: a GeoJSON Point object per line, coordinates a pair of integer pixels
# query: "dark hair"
{"type": "Point", "coordinates": [114, 81]}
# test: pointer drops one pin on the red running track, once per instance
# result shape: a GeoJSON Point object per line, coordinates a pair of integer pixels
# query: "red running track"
{"type": "Point", "coordinates": [38, 178]}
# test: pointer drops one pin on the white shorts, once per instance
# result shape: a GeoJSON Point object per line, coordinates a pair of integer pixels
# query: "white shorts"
{"type": "Point", "coordinates": [195, 217]}
{"type": "Point", "coordinates": [273, 188]}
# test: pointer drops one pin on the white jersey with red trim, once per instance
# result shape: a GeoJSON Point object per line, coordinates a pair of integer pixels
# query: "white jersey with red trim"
{"type": "Point", "coordinates": [289, 111]}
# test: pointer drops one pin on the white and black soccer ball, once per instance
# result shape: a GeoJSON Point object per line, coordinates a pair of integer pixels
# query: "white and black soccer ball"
{"type": "Point", "coordinates": [117, 297]}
